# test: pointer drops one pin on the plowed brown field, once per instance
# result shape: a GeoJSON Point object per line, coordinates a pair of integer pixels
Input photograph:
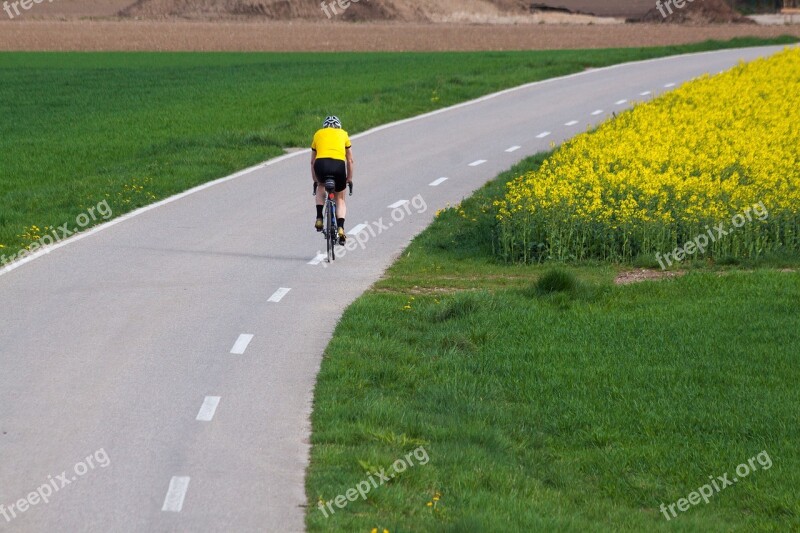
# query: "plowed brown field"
{"type": "Point", "coordinates": [309, 36]}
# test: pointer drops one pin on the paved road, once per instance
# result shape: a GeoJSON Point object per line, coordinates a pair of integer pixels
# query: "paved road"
{"type": "Point", "coordinates": [114, 345]}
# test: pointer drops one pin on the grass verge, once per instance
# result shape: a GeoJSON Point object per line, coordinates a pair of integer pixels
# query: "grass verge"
{"type": "Point", "coordinates": [132, 128]}
{"type": "Point", "coordinates": [556, 401]}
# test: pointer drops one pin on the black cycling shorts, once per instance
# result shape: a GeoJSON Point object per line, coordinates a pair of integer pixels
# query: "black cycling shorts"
{"type": "Point", "coordinates": [331, 168]}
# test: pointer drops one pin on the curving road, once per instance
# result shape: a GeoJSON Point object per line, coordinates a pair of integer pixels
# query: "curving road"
{"type": "Point", "coordinates": [157, 374]}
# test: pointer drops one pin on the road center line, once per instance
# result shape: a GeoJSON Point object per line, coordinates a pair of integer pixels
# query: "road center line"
{"type": "Point", "coordinates": [513, 149]}
{"type": "Point", "coordinates": [477, 163]}
{"type": "Point", "coordinates": [357, 229]}
{"type": "Point", "coordinates": [667, 86]}
{"type": "Point", "coordinates": [436, 183]}
{"type": "Point", "coordinates": [398, 203]}
{"type": "Point", "coordinates": [279, 294]}
{"type": "Point", "coordinates": [646, 93]}
{"type": "Point", "coordinates": [207, 410]}
{"type": "Point", "coordinates": [620, 102]}
{"type": "Point", "coordinates": [543, 135]}
{"type": "Point", "coordinates": [241, 344]}
{"type": "Point", "coordinates": [596, 112]}
{"type": "Point", "coordinates": [176, 494]}
{"type": "Point", "coordinates": [571, 123]}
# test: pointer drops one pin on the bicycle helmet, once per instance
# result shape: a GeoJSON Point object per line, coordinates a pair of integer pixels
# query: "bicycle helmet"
{"type": "Point", "coordinates": [332, 122]}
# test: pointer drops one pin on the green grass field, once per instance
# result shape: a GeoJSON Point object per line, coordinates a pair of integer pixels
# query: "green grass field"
{"type": "Point", "coordinates": [568, 404]}
{"type": "Point", "coordinates": [131, 128]}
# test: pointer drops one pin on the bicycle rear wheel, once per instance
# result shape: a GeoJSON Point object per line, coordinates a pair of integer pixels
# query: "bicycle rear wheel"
{"type": "Point", "coordinates": [334, 237]}
{"type": "Point", "coordinates": [329, 233]}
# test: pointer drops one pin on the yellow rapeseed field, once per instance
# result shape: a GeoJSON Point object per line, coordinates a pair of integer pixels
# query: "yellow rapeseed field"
{"type": "Point", "coordinates": [721, 152]}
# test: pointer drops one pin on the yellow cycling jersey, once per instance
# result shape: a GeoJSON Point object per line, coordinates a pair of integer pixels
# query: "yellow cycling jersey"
{"type": "Point", "coordinates": [331, 143]}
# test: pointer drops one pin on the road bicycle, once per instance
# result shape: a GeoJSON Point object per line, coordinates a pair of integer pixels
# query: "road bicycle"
{"type": "Point", "coordinates": [331, 228]}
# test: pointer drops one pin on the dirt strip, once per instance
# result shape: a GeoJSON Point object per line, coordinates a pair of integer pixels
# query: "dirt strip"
{"type": "Point", "coordinates": [179, 35]}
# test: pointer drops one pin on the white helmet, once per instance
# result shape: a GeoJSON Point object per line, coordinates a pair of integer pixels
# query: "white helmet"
{"type": "Point", "coordinates": [332, 122]}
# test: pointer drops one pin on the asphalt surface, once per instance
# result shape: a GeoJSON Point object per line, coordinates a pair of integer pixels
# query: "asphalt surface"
{"type": "Point", "coordinates": [111, 344]}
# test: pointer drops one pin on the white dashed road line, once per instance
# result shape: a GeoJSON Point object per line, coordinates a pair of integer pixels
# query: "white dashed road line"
{"type": "Point", "coordinates": [241, 344]}
{"type": "Point", "coordinates": [513, 149]}
{"type": "Point", "coordinates": [477, 163]}
{"type": "Point", "coordinates": [571, 123]}
{"type": "Point", "coordinates": [543, 135]}
{"type": "Point", "coordinates": [318, 259]}
{"type": "Point", "coordinates": [645, 93]}
{"type": "Point", "coordinates": [279, 294]}
{"type": "Point", "coordinates": [596, 112]}
{"type": "Point", "coordinates": [436, 183]}
{"type": "Point", "coordinates": [399, 203]}
{"type": "Point", "coordinates": [176, 494]}
{"type": "Point", "coordinates": [667, 86]}
{"type": "Point", "coordinates": [357, 229]}
{"type": "Point", "coordinates": [620, 102]}
{"type": "Point", "coordinates": [207, 410]}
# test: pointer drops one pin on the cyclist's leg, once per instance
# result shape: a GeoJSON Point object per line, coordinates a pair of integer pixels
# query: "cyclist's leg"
{"type": "Point", "coordinates": [320, 199]}
{"type": "Point", "coordinates": [319, 202]}
{"type": "Point", "coordinates": [341, 212]}
{"type": "Point", "coordinates": [320, 169]}
{"type": "Point", "coordinates": [341, 205]}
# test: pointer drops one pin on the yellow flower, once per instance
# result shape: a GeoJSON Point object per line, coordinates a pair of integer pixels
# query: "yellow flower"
{"type": "Point", "coordinates": [658, 174]}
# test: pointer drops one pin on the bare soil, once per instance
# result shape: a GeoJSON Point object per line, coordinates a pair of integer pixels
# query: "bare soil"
{"type": "Point", "coordinates": [365, 10]}
{"type": "Point", "coordinates": [604, 8]}
{"type": "Point", "coordinates": [311, 10]}
{"type": "Point", "coordinates": [637, 276]}
{"type": "Point", "coordinates": [179, 35]}
{"type": "Point", "coordinates": [370, 25]}
{"type": "Point", "coordinates": [697, 12]}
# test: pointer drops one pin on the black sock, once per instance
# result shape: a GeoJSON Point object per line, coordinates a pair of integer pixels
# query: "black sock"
{"type": "Point", "coordinates": [319, 211]}
{"type": "Point", "coordinates": [340, 222]}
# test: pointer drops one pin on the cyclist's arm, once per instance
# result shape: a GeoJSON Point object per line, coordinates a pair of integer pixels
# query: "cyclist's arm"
{"type": "Point", "coordinates": [349, 155]}
{"type": "Point", "coordinates": [313, 160]}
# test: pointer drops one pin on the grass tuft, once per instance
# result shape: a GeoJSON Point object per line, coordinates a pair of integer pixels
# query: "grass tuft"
{"type": "Point", "coordinates": [463, 305]}
{"type": "Point", "coordinates": [557, 280]}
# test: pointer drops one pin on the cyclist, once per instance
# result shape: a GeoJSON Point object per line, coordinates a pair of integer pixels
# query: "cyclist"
{"type": "Point", "coordinates": [331, 155]}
